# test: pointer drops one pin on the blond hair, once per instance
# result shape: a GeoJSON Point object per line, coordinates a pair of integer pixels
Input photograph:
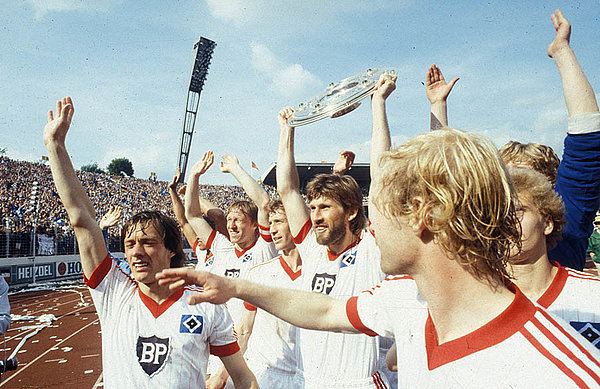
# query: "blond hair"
{"type": "Point", "coordinates": [456, 183]}
{"type": "Point", "coordinates": [247, 208]}
{"type": "Point", "coordinates": [538, 157]}
{"type": "Point", "coordinates": [536, 187]}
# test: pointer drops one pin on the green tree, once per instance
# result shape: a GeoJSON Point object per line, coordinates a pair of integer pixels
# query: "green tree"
{"type": "Point", "coordinates": [120, 167]}
{"type": "Point", "coordinates": [92, 168]}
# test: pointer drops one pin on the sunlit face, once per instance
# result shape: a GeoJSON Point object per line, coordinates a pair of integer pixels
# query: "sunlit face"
{"type": "Point", "coordinates": [329, 220]}
{"type": "Point", "coordinates": [534, 228]}
{"type": "Point", "coordinates": [280, 231]}
{"type": "Point", "coordinates": [146, 253]}
{"type": "Point", "coordinates": [393, 242]}
{"type": "Point", "coordinates": [242, 230]}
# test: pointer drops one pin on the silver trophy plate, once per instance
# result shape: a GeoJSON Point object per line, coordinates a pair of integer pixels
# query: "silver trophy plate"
{"type": "Point", "coordinates": [338, 98]}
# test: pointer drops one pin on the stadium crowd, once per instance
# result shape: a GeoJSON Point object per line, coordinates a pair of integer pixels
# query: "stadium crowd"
{"type": "Point", "coordinates": [133, 195]}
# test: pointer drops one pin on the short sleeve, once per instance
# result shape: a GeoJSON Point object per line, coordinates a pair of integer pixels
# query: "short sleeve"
{"type": "Point", "coordinates": [222, 339]}
{"type": "Point", "coordinates": [377, 311]}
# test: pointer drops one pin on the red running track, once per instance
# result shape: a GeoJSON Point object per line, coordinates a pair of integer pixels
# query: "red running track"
{"type": "Point", "coordinates": [64, 354]}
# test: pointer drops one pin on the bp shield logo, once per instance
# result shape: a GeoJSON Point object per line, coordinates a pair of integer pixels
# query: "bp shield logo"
{"type": "Point", "coordinates": [152, 353]}
{"type": "Point", "coordinates": [323, 283]}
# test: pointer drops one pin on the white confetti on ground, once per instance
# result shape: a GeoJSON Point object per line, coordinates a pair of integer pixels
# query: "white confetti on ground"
{"type": "Point", "coordinates": [66, 349]}
{"type": "Point", "coordinates": [88, 371]}
{"type": "Point", "coordinates": [62, 361]}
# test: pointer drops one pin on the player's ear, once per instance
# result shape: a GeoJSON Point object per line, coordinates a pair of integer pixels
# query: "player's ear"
{"type": "Point", "coordinates": [417, 223]}
{"type": "Point", "coordinates": [351, 214]}
{"type": "Point", "coordinates": [548, 225]}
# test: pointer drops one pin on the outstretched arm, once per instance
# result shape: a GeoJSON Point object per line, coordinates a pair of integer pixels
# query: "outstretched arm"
{"type": "Point", "coordinates": [193, 213]}
{"type": "Point", "coordinates": [77, 204]}
{"type": "Point", "coordinates": [303, 309]}
{"type": "Point", "coordinates": [288, 183]}
{"type": "Point", "coordinates": [179, 209]}
{"type": "Point", "coordinates": [437, 91]}
{"type": "Point", "coordinates": [578, 93]}
{"type": "Point", "coordinates": [230, 164]}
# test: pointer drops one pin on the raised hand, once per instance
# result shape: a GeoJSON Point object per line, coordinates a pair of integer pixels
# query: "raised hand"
{"type": "Point", "coordinates": [204, 164]}
{"type": "Point", "coordinates": [217, 290]}
{"type": "Point", "coordinates": [229, 163]}
{"type": "Point", "coordinates": [284, 116]}
{"type": "Point", "coordinates": [56, 128]}
{"type": "Point", "coordinates": [175, 180]}
{"type": "Point", "coordinates": [344, 162]}
{"type": "Point", "coordinates": [385, 86]}
{"type": "Point", "coordinates": [436, 88]}
{"type": "Point", "coordinates": [111, 218]}
{"type": "Point", "coordinates": [563, 33]}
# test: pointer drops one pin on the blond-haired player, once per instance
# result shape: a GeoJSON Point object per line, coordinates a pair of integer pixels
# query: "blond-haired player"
{"type": "Point", "coordinates": [567, 293]}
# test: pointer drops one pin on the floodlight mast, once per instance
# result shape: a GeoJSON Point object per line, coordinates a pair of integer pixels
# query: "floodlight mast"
{"type": "Point", "coordinates": [204, 50]}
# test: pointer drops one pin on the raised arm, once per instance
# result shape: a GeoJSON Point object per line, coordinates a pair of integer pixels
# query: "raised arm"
{"type": "Point", "coordinates": [193, 213]}
{"type": "Point", "coordinates": [303, 309]}
{"type": "Point", "coordinates": [76, 202]}
{"type": "Point", "coordinates": [179, 209]}
{"type": "Point", "coordinates": [578, 176]}
{"type": "Point", "coordinates": [380, 138]}
{"type": "Point", "coordinates": [344, 162]}
{"type": "Point", "coordinates": [215, 214]}
{"type": "Point", "coordinates": [578, 93]}
{"type": "Point", "coordinates": [288, 183]}
{"type": "Point", "coordinates": [437, 91]}
{"type": "Point", "coordinates": [230, 164]}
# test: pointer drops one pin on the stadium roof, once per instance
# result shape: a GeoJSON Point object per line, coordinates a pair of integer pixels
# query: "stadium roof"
{"type": "Point", "coordinates": [306, 171]}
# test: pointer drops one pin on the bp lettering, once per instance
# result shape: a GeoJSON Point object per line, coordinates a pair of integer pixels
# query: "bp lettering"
{"type": "Point", "coordinates": [232, 273]}
{"type": "Point", "coordinates": [323, 283]}
{"type": "Point", "coordinates": [152, 352]}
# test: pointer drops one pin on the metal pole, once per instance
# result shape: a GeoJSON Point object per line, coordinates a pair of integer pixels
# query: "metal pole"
{"type": "Point", "coordinates": [7, 236]}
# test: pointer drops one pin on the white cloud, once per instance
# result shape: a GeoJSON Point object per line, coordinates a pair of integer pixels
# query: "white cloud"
{"type": "Point", "coordinates": [243, 12]}
{"type": "Point", "coordinates": [233, 11]}
{"type": "Point", "coordinates": [42, 7]}
{"type": "Point", "coordinates": [286, 79]}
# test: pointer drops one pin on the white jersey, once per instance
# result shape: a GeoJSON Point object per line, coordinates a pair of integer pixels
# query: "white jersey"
{"type": "Point", "coordinates": [335, 360]}
{"type": "Point", "coordinates": [272, 344]}
{"type": "Point", "coordinates": [573, 296]}
{"type": "Point", "coordinates": [523, 347]}
{"type": "Point", "coordinates": [228, 261]}
{"type": "Point", "coordinates": [151, 345]}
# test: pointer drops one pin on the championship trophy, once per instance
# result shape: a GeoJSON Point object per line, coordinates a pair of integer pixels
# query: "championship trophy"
{"type": "Point", "coordinates": [338, 98]}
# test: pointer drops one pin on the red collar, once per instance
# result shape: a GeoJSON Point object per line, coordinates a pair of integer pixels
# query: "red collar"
{"type": "Point", "coordinates": [239, 253]}
{"type": "Point", "coordinates": [332, 257]}
{"type": "Point", "coordinates": [157, 309]}
{"type": "Point", "coordinates": [555, 288]}
{"type": "Point", "coordinates": [288, 270]}
{"type": "Point", "coordinates": [502, 327]}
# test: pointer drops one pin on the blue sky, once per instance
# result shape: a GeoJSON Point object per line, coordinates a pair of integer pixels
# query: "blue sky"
{"type": "Point", "coordinates": [127, 66]}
